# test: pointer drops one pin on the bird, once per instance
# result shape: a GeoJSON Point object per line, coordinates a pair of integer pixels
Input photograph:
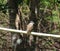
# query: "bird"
{"type": "Point", "coordinates": [30, 27]}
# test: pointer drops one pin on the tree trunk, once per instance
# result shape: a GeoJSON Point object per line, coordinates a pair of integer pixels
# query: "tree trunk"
{"type": "Point", "coordinates": [12, 12]}
{"type": "Point", "coordinates": [34, 14]}
{"type": "Point", "coordinates": [12, 15]}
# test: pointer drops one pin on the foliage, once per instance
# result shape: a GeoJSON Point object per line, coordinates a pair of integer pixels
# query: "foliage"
{"type": "Point", "coordinates": [3, 6]}
{"type": "Point", "coordinates": [3, 2]}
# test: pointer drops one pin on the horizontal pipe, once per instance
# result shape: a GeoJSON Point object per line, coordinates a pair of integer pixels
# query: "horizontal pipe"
{"type": "Point", "coordinates": [32, 33]}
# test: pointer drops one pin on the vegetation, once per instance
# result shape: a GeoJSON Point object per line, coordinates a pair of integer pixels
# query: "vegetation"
{"type": "Point", "coordinates": [45, 14]}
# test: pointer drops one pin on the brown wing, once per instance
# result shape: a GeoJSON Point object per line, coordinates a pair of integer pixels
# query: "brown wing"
{"type": "Point", "coordinates": [29, 27]}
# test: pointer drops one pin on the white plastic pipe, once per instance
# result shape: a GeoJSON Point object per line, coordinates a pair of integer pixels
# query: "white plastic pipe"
{"type": "Point", "coordinates": [32, 33]}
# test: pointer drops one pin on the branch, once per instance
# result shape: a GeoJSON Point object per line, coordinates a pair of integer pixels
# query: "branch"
{"type": "Point", "coordinates": [32, 33]}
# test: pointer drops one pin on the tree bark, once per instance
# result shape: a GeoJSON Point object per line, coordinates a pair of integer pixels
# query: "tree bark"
{"type": "Point", "coordinates": [12, 12]}
{"type": "Point", "coordinates": [34, 14]}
